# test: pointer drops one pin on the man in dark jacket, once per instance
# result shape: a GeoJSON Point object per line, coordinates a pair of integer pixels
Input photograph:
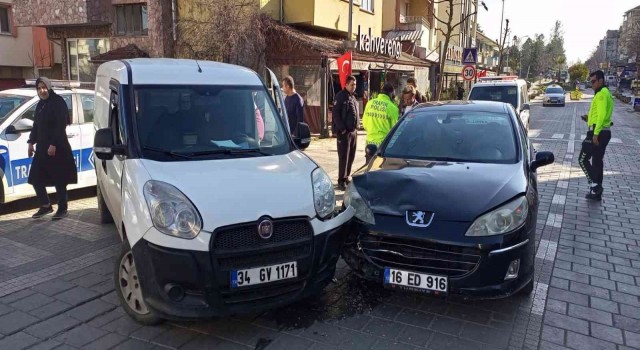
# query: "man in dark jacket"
{"type": "Point", "coordinates": [294, 104]}
{"type": "Point", "coordinates": [53, 163]}
{"type": "Point", "coordinates": [345, 120]}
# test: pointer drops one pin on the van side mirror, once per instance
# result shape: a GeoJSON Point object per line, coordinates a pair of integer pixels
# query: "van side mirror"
{"type": "Point", "coordinates": [526, 107]}
{"type": "Point", "coordinates": [303, 140]}
{"type": "Point", "coordinates": [542, 158]}
{"type": "Point", "coordinates": [103, 145]}
{"type": "Point", "coordinates": [22, 125]}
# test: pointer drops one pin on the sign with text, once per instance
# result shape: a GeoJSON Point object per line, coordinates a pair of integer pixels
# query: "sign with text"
{"type": "Point", "coordinates": [470, 55]}
{"type": "Point", "coordinates": [453, 54]}
{"type": "Point", "coordinates": [368, 43]}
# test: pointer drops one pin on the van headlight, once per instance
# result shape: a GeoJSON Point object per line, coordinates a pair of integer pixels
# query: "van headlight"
{"type": "Point", "coordinates": [353, 199]}
{"type": "Point", "coordinates": [505, 219]}
{"type": "Point", "coordinates": [171, 211]}
{"type": "Point", "coordinates": [324, 196]}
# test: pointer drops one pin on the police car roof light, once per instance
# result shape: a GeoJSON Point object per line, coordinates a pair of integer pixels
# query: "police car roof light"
{"type": "Point", "coordinates": [56, 83]}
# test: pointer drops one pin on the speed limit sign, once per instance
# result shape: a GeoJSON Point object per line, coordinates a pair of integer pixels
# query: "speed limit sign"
{"type": "Point", "coordinates": [468, 72]}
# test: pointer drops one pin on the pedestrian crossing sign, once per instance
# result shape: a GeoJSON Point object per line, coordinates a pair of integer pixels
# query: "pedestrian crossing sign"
{"type": "Point", "coordinates": [470, 55]}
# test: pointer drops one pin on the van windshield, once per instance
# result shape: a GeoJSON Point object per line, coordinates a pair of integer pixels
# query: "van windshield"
{"type": "Point", "coordinates": [507, 94]}
{"type": "Point", "coordinates": [204, 122]}
{"type": "Point", "coordinates": [9, 103]}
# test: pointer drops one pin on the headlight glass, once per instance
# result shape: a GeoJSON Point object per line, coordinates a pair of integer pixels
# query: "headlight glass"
{"type": "Point", "coordinates": [171, 211]}
{"type": "Point", "coordinates": [324, 196]}
{"type": "Point", "coordinates": [353, 199]}
{"type": "Point", "coordinates": [502, 220]}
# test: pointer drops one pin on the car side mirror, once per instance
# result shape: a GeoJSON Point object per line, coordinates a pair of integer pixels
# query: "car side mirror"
{"type": "Point", "coordinates": [370, 150]}
{"type": "Point", "coordinates": [542, 158]}
{"type": "Point", "coordinates": [22, 125]}
{"type": "Point", "coordinates": [526, 107]}
{"type": "Point", "coordinates": [103, 145]}
{"type": "Point", "coordinates": [303, 140]}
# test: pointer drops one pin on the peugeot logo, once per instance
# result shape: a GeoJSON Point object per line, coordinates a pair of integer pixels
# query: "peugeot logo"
{"type": "Point", "coordinates": [419, 218]}
{"type": "Point", "coordinates": [265, 229]}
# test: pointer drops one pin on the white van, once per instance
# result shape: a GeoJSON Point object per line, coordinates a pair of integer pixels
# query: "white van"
{"type": "Point", "coordinates": [219, 210]}
{"type": "Point", "coordinates": [17, 110]}
{"type": "Point", "coordinates": [508, 89]}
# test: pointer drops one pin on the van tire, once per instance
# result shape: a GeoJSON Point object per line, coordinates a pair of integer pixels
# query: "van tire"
{"type": "Point", "coordinates": [127, 282]}
{"type": "Point", "coordinates": [103, 211]}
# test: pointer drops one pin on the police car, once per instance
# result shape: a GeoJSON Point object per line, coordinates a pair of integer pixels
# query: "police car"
{"type": "Point", "coordinates": [17, 110]}
{"type": "Point", "coordinates": [508, 89]}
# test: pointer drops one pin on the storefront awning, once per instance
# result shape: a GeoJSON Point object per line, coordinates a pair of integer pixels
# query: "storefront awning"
{"type": "Point", "coordinates": [404, 35]}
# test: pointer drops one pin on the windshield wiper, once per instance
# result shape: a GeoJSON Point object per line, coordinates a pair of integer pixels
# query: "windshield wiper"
{"type": "Point", "coordinates": [167, 152]}
{"type": "Point", "coordinates": [229, 151]}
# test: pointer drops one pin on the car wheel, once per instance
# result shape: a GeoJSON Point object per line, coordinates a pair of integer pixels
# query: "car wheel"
{"type": "Point", "coordinates": [103, 211]}
{"type": "Point", "coordinates": [128, 289]}
{"type": "Point", "coordinates": [563, 105]}
{"type": "Point", "coordinates": [528, 289]}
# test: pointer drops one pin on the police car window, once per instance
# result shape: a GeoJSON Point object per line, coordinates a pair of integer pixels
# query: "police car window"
{"type": "Point", "coordinates": [507, 94]}
{"type": "Point", "coordinates": [29, 113]}
{"type": "Point", "coordinates": [9, 103]}
{"type": "Point", "coordinates": [86, 101]}
{"type": "Point", "coordinates": [68, 100]}
{"type": "Point", "coordinates": [465, 136]}
{"type": "Point", "coordinates": [208, 121]}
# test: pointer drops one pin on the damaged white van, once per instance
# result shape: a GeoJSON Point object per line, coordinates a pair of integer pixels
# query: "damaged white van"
{"type": "Point", "coordinates": [219, 210]}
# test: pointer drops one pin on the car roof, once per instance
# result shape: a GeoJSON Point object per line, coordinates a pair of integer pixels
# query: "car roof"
{"type": "Point", "coordinates": [169, 71]}
{"type": "Point", "coordinates": [554, 86]}
{"type": "Point", "coordinates": [472, 105]}
{"type": "Point", "coordinates": [31, 92]}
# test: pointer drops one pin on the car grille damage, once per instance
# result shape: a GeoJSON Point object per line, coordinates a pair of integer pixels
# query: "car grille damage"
{"type": "Point", "coordinates": [240, 247]}
{"type": "Point", "coordinates": [419, 256]}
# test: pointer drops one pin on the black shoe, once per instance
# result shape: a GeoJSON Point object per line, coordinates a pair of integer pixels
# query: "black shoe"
{"type": "Point", "coordinates": [42, 212]}
{"type": "Point", "coordinates": [61, 213]}
{"type": "Point", "coordinates": [594, 195]}
{"type": "Point", "coordinates": [341, 186]}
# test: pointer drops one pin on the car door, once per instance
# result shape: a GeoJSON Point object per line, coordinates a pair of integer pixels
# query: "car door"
{"type": "Point", "coordinates": [73, 129]}
{"type": "Point", "coordinates": [19, 161]}
{"type": "Point", "coordinates": [110, 172]}
{"type": "Point", "coordinates": [276, 93]}
{"type": "Point", "coordinates": [87, 132]}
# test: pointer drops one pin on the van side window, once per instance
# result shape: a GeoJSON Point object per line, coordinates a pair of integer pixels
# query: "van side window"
{"type": "Point", "coordinates": [114, 120]}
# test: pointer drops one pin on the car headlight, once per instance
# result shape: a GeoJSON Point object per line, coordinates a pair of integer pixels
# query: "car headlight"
{"type": "Point", "coordinates": [502, 220]}
{"type": "Point", "coordinates": [362, 211]}
{"type": "Point", "coordinates": [324, 196]}
{"type": "Point", "coordinates": [172, 213]}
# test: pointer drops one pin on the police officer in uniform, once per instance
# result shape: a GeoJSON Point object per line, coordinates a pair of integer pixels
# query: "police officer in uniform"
{"type": "Point", "coordinates": [345, 121]}
{"type": "Point", "coordinates": [598, 137]}
{"type": "Point", "coordinates": [380, 115]}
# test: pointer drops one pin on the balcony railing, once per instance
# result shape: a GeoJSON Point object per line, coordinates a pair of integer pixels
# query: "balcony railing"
{"type": "Point", "coordinates": [415, 20]}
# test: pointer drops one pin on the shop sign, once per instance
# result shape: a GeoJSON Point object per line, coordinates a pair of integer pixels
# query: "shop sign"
{"type": "Point", "coordinates": [454, 55]}
{"type": "Point", "coordinates": [373, 44]}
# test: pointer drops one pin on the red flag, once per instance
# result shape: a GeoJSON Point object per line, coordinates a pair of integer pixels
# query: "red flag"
{"type": "Point", "coordinates": [344, 68]}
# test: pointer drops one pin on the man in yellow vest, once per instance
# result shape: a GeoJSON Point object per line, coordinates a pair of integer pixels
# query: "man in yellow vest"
{"type": "Point", "coordinates": [380, 115]}
{"type": "Point", "coordinates": [598, 137]}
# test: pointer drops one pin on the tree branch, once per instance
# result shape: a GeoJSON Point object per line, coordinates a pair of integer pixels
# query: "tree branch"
{"type": "Point", "coordinates": [464, 19]}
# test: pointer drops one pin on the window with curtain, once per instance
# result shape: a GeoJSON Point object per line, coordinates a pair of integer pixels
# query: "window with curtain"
{"type": "Point", "coordinates": [5, 26]}
{"type": "Point", "coordinates": [132, 19]}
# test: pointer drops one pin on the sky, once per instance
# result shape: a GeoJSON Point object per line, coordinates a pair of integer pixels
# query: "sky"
{"type": "Point", "coordinates": [584, 22]}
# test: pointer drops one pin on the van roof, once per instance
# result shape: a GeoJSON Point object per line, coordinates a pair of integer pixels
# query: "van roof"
{"type": "Point", "coordinates": [169, 71]}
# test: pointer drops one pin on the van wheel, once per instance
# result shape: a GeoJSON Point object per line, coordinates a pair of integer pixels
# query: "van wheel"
{"type": "Point", "coordinates": [128, 289]}
{"type": "Point", "coordinates": [103, 211]}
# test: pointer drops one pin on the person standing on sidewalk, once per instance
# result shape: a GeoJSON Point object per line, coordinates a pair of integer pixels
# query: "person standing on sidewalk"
{"type": "Point", "coordinates": [380, 115]}
{"type": "Point", "coordinates": [294, 104]}
{"type": "Point", "coordinates": [344, 122]}
{"type": "Point", "coordinates": [409, 99]}
{"type": "Point", "coordinates": [53, 162]}
{"type": "Point", "coordinates": [598, 137]}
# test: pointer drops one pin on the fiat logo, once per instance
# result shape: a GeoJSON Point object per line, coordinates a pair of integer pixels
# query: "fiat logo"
{"type": "Point", "coordinates": [265, 229]}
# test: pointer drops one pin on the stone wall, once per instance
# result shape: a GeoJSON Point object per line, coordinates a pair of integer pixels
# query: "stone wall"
{"type": "Point", "coordinates": [60, 12]}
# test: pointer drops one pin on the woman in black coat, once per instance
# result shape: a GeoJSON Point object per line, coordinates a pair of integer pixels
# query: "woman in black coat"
{"type": "Point", "coordinates": [53, 163]}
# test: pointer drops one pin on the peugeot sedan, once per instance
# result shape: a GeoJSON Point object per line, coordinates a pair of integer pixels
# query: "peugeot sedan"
{"type": "Point", "coordinates": [448, 203]}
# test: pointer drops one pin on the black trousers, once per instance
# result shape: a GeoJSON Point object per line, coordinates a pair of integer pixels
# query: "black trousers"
{"type": "Point", "coordinates": [43, 196]}
{"type": "Point", "coordinates": [592, 156]}
{"type": "Point", "coordinates": [346, 154]}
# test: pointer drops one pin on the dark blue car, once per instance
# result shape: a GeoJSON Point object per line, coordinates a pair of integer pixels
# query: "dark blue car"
{"type": "Point", "coordinates": [448, 203]}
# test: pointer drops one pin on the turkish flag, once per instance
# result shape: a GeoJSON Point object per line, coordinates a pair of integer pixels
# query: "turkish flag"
{"type": "Point", "coordinates": [344, 68]}
{"type": "Point", "coordinates": [482, 73]}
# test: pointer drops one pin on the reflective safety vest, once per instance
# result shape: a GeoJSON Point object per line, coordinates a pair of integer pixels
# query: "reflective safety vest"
{"type": "Point", "coordinates": [380, 115]}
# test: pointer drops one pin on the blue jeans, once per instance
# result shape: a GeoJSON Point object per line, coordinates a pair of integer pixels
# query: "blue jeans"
{"type": "Point", "coordinates": [43, 197]}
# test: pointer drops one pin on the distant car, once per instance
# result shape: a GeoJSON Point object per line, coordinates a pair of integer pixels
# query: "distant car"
{"type": "Point", "coordinates": [449, 203]}
{"type": "Point", "coordinates": [554, 95]}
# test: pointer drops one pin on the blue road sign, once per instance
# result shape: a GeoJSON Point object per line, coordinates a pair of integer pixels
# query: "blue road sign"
{"type": "Point", "coordinates": [470, 55]}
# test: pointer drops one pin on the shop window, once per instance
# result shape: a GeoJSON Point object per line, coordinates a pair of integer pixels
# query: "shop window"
{"type": "Point", "coordinates": [5, 25]}
{"type": "Point", "coordinates": [132, 19]}
{"type": "Point", "coordinates": [367, 5]}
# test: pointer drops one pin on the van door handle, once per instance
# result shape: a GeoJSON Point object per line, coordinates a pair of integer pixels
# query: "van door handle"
{"type": "Point", "coordinates": [71, 135]}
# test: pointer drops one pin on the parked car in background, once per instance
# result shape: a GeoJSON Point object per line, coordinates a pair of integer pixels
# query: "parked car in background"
{"type": "Point", "coordinates": [554, 95]}
{"type": "Point", "coordinates": [17, 111]}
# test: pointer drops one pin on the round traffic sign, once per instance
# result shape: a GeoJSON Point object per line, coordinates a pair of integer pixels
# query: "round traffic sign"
{"type": "Point", "coordinates": [468, 72]}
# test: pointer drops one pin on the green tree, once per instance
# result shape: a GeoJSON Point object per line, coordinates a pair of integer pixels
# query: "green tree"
{"type": "Point", "coordinates": [554, 56]}
{"type": "Point", "coordinates": [578, 71]}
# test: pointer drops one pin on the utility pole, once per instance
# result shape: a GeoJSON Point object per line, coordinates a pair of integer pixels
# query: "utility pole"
{"type": "Point", "coordinates": [501, 21]}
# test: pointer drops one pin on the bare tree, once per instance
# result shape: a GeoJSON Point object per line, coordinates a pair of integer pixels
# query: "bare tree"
{"type": "Point", "coordinates": [630, 40]}
{"type": "Point", "coordinates": [449, 26]}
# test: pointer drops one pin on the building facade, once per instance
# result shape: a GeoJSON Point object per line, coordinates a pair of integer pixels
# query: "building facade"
{"type": "Point", "coordinates": [25, 51]}
{"type": "Point", "coordinates": [85, 29]}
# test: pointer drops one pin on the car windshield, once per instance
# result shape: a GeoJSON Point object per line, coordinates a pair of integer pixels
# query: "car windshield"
{"type": "Point", "coordinates": [507, 94]}
{"type": "Point", "coordinates": [554, 90]}
{"type": "Point", "coordinates": [9, 103]}
{"type": "Point", "coordinates": [200, 122]}
{"type": "Point", "coordinates": [457, 136]}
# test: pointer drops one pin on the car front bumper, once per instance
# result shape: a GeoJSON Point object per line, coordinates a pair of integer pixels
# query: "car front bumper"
{"type": "Point", "coordinates": [554, 102]}
{"type": "Point", "coordinates": [184, 284]}
{"type": "Point", "coordinates": [474, 270]}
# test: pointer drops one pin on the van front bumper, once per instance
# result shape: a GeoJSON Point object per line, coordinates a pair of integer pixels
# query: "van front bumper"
{"type": "Point", "coordinates": [188, 284]}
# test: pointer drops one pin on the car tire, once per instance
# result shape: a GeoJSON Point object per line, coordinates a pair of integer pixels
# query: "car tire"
{"type": "Point", "coordinates": [562, 105]}
{"type": "Point", "coordinates": [128, 289]}
{"type": "Point", "coordinates": [527, 289]}
{"type": "Point", "coordinates": [103, 211]}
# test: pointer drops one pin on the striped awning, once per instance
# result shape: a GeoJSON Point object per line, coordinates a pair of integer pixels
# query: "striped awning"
{"type": "Point", "coordinates": [404, 35]}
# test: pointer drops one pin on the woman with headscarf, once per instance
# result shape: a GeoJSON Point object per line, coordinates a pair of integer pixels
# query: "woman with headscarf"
{"type": "Point", "coordinates": [53, 163]}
